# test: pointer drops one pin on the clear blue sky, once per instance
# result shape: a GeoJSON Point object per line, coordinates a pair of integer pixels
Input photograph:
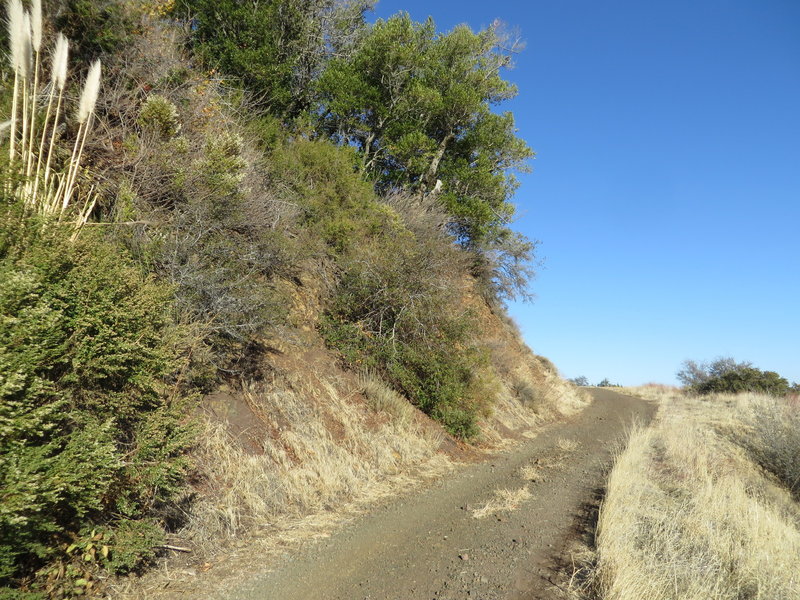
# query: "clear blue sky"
{"type": "Point", "coordinates": [666, 187]}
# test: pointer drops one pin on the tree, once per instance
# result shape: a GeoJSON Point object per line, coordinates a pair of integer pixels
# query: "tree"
{"type": "Point", "coordinates": [724, 375]}
{"type": "Point", "coordinates": [581, 381]}
{"type": "Point", "coordinates": [417, 106]}
{"type": "Point", "coordinates": [747, 379]}
{"type": "Point", "coordinates": [276, 47]}
{"type": "Point", "coordinates": [693, 374]}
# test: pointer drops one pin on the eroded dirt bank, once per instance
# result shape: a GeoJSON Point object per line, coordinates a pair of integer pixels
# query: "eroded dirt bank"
{"type": "Point", "coordinates": [439, 543]}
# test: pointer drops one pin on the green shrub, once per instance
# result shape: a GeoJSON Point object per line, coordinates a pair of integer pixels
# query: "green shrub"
{"type": "Point", "coordinates": [160, 116]}
{"type": "Point", "coordinates": [744, 379]}
{"type": "Point", "coordinates": [93, 431]}
{"type": "Point", "coordinates": [274, 48]}
{"type": "Point", "coordinates": [396, 307]}
{"type": "Point", "coordinates": [337, 205]}
{"type": "Point", "coordinates": [95, 27]}
{"type": "Point", "coordinates": [437, 379]}
{"type": "Point", "coordinates": [396, 311]}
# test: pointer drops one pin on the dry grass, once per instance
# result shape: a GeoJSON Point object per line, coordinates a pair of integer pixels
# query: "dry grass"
{"type": "Point", "coordinates": [568, 445]}
{"type": "Point", "coordinates": [653, 391]}
{"type": "Point", "coordinates": [321, 453]}
{"type": "Point", "coordinates": [527, 398]}
{"type": "Point", "coordinates": [383, 399]}
{"type": "Point", "coordinates": [531, 473]}
{"type": "Point", "coordinates": [503, 501]}
{"type": "Point", "coordinates": [689, 515]}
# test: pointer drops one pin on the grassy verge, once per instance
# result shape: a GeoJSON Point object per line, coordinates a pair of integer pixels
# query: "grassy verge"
{"type": "Point", "coordinates": [311, 458]}
{"type": "Point", "coordinates": [700, 505]}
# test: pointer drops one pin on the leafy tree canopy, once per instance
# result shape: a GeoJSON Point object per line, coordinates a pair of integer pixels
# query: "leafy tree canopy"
{"type": "Point", "coordinates": [726, 375]}
{"type": "Point", "coordinates": [747, 379]}
{"type": "Point", "coordinates": [417, 105]}
{"type": "Point", "coordinates": [276, 47]}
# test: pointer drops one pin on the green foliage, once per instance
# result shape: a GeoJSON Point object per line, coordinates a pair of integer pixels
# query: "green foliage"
{"type": "Point", "coordinates": [745, 379]}
{"type": "Point", "coordinates": [338, 206]}
{"type": "Point", "coordinates": [438, 377]}
{"type": "Point", "coordinates": [417, 106]}
{"type": "Point", "coordinates": [95, 27]}
{"type": "Point", "coordinates": [92, 431]}
{"type": "Point", "coordinates": [692, 373]}
{"type": "Point", "coordinates": [395, 308]}
{"type": "Point", "coordinates": [275, 47]}
{"type": "Point", "coordinates": [725, 375]}
{"type": "Point", "coordinates": [160, 116]}
{"type": "Point", "coordinates": [607, 383]}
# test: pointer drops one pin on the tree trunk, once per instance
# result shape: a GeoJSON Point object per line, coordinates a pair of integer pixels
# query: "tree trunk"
{"type": "Point", "coordinates": [429, 180]}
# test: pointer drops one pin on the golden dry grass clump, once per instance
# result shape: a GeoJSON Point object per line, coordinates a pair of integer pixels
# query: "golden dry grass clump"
{"type": "Point", "coordinates": [503, 500]}
{"type": "Point", "coordinates": [689, 515]}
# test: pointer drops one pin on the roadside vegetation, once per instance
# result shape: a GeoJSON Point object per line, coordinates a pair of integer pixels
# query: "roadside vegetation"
{"type": "Point", "coordinates": [202, 196]}
{"type": "Point", "coordinates": [705, 503]}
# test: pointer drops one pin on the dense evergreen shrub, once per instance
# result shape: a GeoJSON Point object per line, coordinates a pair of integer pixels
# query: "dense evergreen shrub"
{"type": "Point", "coordinates": [93, 427]}
{"type": "Point", "coordinates": [95, 27]}
{"type": "Point", "coordinates": [745, 379]}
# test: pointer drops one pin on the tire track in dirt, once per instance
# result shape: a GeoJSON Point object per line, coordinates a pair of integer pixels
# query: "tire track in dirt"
{"type": "Point", "coordinates": [430, 546]}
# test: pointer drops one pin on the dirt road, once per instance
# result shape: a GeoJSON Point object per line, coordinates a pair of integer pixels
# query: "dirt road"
{"type": "Point", "coordinates": [439, 544]}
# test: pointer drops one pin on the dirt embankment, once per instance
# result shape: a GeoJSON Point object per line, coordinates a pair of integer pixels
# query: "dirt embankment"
{"type": "Point", "coordinates": [499, 529]}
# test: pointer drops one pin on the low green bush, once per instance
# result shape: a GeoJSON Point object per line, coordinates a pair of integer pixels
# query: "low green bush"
{"type": "Point", "coordinates": [93, 426]}
{"type": "Point", "coordinates": [744, 379]}
{"type": "Point", "coordinates": [438, 380]}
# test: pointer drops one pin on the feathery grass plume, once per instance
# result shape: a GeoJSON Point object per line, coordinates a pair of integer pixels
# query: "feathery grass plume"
{"type": "Point", "coordinates": [91, 89]}
{"type": "Point", "coordinates": [58, 79]}
{"type": "Point", "coordinates": [36, 25]}
{"type": "Point", "coordinates": [59, 67]}
{"type": "Point", "coordinates": [25, 49]}
{"type": "Point", "coordinates": [36, 44]}
{"type": "Point", "coordinates": [25, 72]}
{"type": "Point", "coordinates": [16, 33]}
{"type": "Point", "coordinates": [54, 190]}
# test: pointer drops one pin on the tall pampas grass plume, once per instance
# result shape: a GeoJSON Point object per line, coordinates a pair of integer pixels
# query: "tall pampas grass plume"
{"type": "Point", "coordinates": [36, 25]}
{"type": "Point", "coordinates": [24, 68]}
{"type": "Point", "coordinates": [58, 79]}
{"type": "Point", "coordinates": [36, 45]}
{"type": "Point", "coordinates": [16, 32]}
{"type": "Point", "coordinates": [91, 89]}
{"type": "Point", "coordinates": [26, 52]}
{"type": "Point", "coordinates": [16, 35]}
{"type": "Point", "coordinates": [45, 190]}
{"type": "Point", "coordinates": [59, 67]}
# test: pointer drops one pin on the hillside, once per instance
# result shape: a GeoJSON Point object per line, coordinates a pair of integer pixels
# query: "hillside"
{"type": "Point", "coordinates": [246, 281]}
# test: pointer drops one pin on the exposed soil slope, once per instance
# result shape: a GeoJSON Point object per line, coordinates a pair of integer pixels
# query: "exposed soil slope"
{"type": "Point", "coordinates": [433, 545]}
